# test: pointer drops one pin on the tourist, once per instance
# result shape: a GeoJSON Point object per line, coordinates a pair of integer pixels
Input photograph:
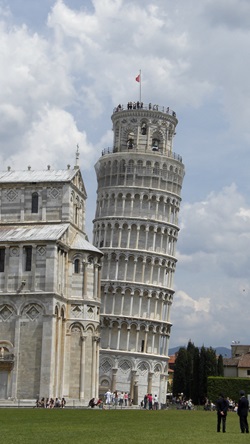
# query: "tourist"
{"type": "Point", "coordinates": [222, 409]}
{"type": "Point", "coordinates": [121, 398]}
{"type": "Point", "coordinates": [108, 395]}
{"type": "Point", "coordinates": [156, 403]}
{"type": "Point", "coordinates": [242, 411]}
{"type": "Point", "coordinates": [126, 399]}
{"type": "Point", "coordinates": [150, 401]}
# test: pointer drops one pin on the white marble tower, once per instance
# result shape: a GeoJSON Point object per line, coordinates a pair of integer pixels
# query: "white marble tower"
{"type": "Point", "coordinates": [136, 227]}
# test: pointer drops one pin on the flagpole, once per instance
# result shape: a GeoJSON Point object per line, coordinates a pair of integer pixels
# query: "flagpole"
{"type": "Point", "coordinates": [140, 85]}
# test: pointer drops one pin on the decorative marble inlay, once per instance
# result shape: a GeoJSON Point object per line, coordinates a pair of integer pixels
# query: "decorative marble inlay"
{"type": "Point", "coordinates": [142, 368]}
{"type": "Point", "coordinates": [32, 311]}
{"type": "Point", "coordinates": [106, 366]}
{"type": "Point", "coordinates": [124, 366]}
{"type": "Point", "coordinates": [76, 311]}
{"type": "Point", "coordinates": [14, 251]}
{"type": "Point", "coordinates": [5, 312]}
{"type": "Point", "coordinates": [157, 369]}
{"type": "Point", "coordinates": [54, 193]}
{"type": "Point", "coordinates": [90, 312]}
{"type": "Point", "coordinates": [11, 195]}
{"type": "Point", "coordinates": [41, 250]}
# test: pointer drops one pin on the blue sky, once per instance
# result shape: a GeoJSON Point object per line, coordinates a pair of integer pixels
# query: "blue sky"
{"type": "Point", "coordinates": [66, 64]}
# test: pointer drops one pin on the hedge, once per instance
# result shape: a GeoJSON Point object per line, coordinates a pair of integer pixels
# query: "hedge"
{"type": "Point", "coordinates": [230, 387]}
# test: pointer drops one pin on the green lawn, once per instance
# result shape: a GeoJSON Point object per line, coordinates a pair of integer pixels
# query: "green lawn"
{"type": "Point", "coordinates": [44, 426]}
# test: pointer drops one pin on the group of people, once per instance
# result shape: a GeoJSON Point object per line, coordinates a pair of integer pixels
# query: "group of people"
{"type": "Point", "coordinates": [50, 403]}
{"type": "Point", "coordinates": [96, 402]}
{"type": "Point", "coordinates": [222, 407]}
{"type": "Point", "coordinates": [150, 402]}
{"type": "Point", "coordinates": [118, 398]}
{"type": "Point", "coordinates": [139, 105]}
{"type": "Point", "coordinates": [185, 404]}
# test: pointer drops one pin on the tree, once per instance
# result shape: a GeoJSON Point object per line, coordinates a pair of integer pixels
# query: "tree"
{"type": "Point", "coordinates": [179, 380]}
{"type": "Point", "coordinates": [203, 375]}
{"type": "Point", "coordinates": [196, 377]}
{"type": "Point", "coordinates": [220, 367]}
{"type": "Point", "coordinates": [208, 367]}
{"type": "Point", "coordinates": [192, 369]}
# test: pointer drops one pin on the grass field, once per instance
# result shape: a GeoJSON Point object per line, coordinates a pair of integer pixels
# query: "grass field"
{"type": "Point", "coordinates": [47, 426]}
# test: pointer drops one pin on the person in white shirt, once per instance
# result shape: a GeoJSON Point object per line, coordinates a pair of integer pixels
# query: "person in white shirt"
{"type": "Point", "coordinates": [108, 397]}
{"type": "Point", "coordinates": [156, 403]}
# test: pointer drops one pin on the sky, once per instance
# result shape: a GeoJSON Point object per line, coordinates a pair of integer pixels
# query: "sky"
{"type": "Point", "coordinates": [65, 64]}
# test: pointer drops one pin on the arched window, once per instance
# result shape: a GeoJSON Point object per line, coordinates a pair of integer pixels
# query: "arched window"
{"type": "Point", "coordinates": [76, 215]}
{"type": "Point", "coordinates": [140, 166]}
{"type": "Point", "coordinates": [34, 203]}
{"type": "Point", "coordinates": [130, 141]}
{"type": "Point", "coordinates": [77, 266]}
{"type": "Point", "coordinates": [144, 128]}
{"type": "Point", "coordinates": [130, 167]}
{"type": "Point", "coordinates": [130, 144]}
{"type": "Point", "coordinates": [156, 169]}
{"type": "Point", "coordinates": [155, 145]}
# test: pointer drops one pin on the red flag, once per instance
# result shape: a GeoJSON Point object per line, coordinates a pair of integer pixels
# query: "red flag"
{"type": "Point", "coordinates": [138, 78]}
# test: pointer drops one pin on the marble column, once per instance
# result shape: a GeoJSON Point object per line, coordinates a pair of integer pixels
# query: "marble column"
{"type": "Point", "coordinates": [113, 383]}
{"type": "Point", "coordinates": [150, 378]}
{"type": "Point", "coordinates": [94, 369]}
{"type": "Point", "coordinates": [82, 367]}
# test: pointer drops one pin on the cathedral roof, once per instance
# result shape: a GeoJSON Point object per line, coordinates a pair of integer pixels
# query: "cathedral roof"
{"type": "Point", "coordinates": [80, 243]}
{"type": "Point", "coordinates": [26, 233]}
{"type": "Point", "coordinates": [48, 232]}
{"type": "Point", "coordinates": [29, 175]}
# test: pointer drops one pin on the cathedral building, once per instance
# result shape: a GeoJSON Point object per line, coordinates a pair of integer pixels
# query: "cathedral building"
{"type": "Point", "coordinates": [49, 288]}
{"type": "Point", "coordinates": [136, 227]}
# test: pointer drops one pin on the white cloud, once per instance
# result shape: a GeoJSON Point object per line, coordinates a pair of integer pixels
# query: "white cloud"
{"type": "Point", "coordinates": [182, 300]}
{"type": "Point", "coordinates": [52, 139]}
{"type": "Point", "coordinates": [11, 118]}
{"type": "Point", "coordinates": [212, 276]}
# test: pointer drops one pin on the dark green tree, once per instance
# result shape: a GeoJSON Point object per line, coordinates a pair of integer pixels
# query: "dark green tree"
{"type": "Point", "coordinates": [212, 367]}
{"type": "Point", "coordinates": [190, 370]}
{"type": "Point", "coordinates": [208, 367]}
{"type": "Point", "coordinates": [196, 377]}
{"type": "Point", "coordinates": [180, 371]}
{"type": "Point", "coordinates": [203, 375]}
{"type": "Point", "coordinates": [220, 367]}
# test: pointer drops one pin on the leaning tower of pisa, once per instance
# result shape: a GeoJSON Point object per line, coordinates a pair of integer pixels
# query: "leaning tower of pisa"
{"type": "Point", "coordinates": [136, 227]}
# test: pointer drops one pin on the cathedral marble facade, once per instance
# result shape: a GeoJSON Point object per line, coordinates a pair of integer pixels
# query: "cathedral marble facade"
{"type": "Point", "coordinates": [49, 288]}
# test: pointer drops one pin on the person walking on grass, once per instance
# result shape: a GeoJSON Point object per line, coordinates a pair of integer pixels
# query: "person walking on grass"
{"type": "Point", "coordinates": [243, 407]}
{"type": "Point", "coordinates": [222, 405]}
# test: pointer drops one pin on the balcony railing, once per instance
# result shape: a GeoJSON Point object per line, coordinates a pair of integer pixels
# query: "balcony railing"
{"type": "Point", "coordinates": [150, 107]}
{"type": "Point", "coordinates": [168, 153]}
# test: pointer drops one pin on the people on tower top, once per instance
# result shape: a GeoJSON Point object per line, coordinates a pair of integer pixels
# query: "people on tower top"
{"type": "Point", "coordinates": [139, 105]}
